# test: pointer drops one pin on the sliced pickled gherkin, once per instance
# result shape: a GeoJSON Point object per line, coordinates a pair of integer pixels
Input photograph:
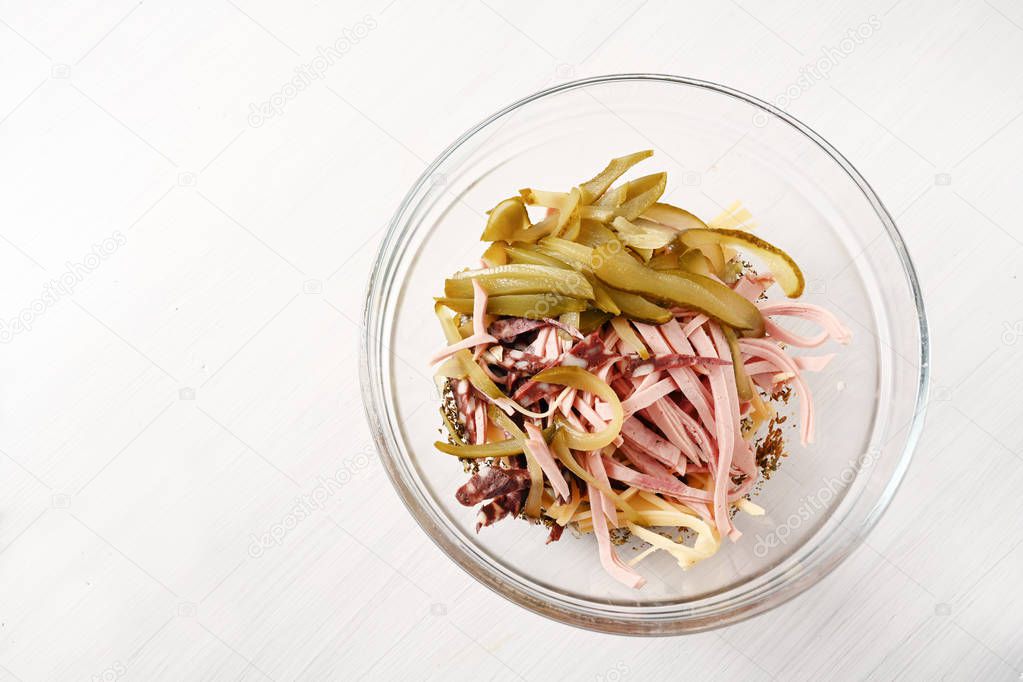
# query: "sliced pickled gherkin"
{"type": "Point", "coordinates": [538, 231]}
{"type": "Point", "coordinates": [598, 213]}
{"type": "Point", "coordinates": [571, 321]}
{"type": "Point", "coordinates": [591, 320]}
{"type": "Point", "coordinates": [568, 215]}
{"type": "Point", "coordinates": [696, 262]}
{"type": "Point", "coordinates": [501, 448]}
{"type": "Point", "coordinates": [666, 260]}
{"type": "Point", "coordinates": [567, 283]}
{"type": "Point", "coordinates": [528, 254]}
{"type": "Point", "coordinates": [629, 337]}
{"type": "Point", "coordinates": [533, 306]}
{"type": "Point", "coordinates": [706, 258]}
{"type": "Point", "coordinates": [566, 204]}
{"type": "Point", "coordinates": [645, 254]}
{"type": "Point", "coordinates": [673, 216]}
{"type": "Point", "coordinates": [540, 197]}
{"type": "Point", "coordinates": [506, 220]}
{"type": "Point", "coordinates": [601, 296]}
{"type": "Point", "coordinates": [785, 271]}
{"type": "Point", "coordinates": [576, 255]}
{"type": "Point", "coordinates": [742, 381]}
{"type": "Point", "coordinates": [583, 380]}
{"type": "Point", "coordinates": [509, 222]}
{"type": "Point", "coordinates": [636, 307]}
{"type": "Point", "coordinates": [522, 279]}
{"type": "Point", "coordinates": [593, 233]}
{"type": "Point", "coordinates": [612, 199]}
{"type": "Point", "coordinates": [643, 234]}
{"type": "Point", "coordinates": [714, 299]}
{"type": "Point", "coordinates": [596, 186]}
{"type": "Point", "coordinates": [495, 254]}
{"type": "Point", "coordinates": [571, 231]}
{"type": "Point", "coordinates": [642, 193]}
{"type": "Point", "coordinates": [561, 449]}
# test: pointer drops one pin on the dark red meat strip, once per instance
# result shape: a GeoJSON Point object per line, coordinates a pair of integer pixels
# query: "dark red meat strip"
{"type": "Point", "coordinates": [522, 362]}
{"type": "Point", "coordinates": [571, 331]}
{"type": "Point", "coordinates": [532, 391]}
{"type": "Point", "coordinates": [673, 360]}
{"type": "Point", "coordinates": [507, 328]}
{"type": "Point", "coordinates": [500, 507]}
{"type": "Point", "coordinates": [591, 350]}
{"type": "Point", "coordinates": [491, 483]}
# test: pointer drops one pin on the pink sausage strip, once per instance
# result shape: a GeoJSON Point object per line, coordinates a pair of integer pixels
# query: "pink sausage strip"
{"type": "Point", "coordinates": [538, 448]}
{"type": "Point", "coordinates": [479, 327]}
{"type": "Point", "coordinates": [830, 325]}
{"type": "Point", "coordinates": [724, 418]}
{"type": "Point", "coordinates": [770, 352]}
{"type": "Point", "coordinates": [615, 567]}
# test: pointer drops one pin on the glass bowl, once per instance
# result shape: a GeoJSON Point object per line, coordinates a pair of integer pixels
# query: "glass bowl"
{"type": "Point", "coordinates": [718, 145]}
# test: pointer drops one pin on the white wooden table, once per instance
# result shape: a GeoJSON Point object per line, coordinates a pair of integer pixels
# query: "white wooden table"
{"type": "Point", "coordinates": [190, 198]}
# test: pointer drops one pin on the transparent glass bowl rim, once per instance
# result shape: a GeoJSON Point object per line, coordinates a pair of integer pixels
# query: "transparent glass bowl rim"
{"type": "Point", "coordinates": [704, 614]}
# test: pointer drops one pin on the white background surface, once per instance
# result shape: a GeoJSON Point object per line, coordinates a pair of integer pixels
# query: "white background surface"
{"type": "Point", "coordinates": [179, 398]}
